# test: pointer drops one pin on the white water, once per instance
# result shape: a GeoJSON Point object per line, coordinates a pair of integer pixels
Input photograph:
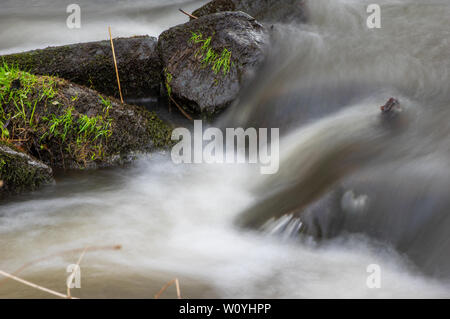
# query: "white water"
{"type": "Point", "coordinates": [27, 25]}
{"type": "Point", "coordinates": [178, 221]}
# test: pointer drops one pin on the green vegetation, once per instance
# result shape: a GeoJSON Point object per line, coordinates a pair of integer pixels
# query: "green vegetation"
{"type": "Point", "coordinates": [33, 111]}
{"type": "Point", "coordinates": [168, 80]}
{"type": "Point", "coordinates": [67, 126]}
{"type": "Point", "coordinates": [217, 61]}
{"type": "Point", "coordinates": [16, 87]}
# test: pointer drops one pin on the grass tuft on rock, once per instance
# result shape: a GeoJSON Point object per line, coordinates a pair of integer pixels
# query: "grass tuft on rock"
{"type": "Point", "coordinates": [69, 126]}
{"type": "Point", "coordinates": [217, 61]}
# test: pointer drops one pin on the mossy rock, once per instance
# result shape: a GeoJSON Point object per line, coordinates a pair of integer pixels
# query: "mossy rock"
{"type": "Point", "coordinates": [20, 172]}
{"type": "Point", "coordinates": [91, 64]}
{"type": "Point", "coordinates": [208, 61]}
{"type": "Point", "coordinates": [66, 125]}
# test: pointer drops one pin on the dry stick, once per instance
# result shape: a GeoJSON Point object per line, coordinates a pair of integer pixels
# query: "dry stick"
{"type": "Point", "coordinates": [115, 64]}
{"type": "Point", "coordinates": [181, 109]}
{"type": "Point", "coordinates": [188, 14]}
{"type": "Point", "coordinates": [55, 293]}
{"type": "Point", "coordinates": [170, 283]}
{"type": "Point", "coordinates": [177, 285]}
{"type": "Point", "coordinates": [92, 248]}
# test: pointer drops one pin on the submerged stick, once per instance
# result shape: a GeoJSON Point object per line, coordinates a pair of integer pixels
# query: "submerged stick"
{"type": "Point", "coordinates": [115, 64]}
{"type": "Point", "coordinates": [170, 283]}
{"type": "Point", "coordinates": [30, 284]}
{"type": "Point", "coordinates": [181, 109]}
{"type": "Point", "coordinates": [91, 248]}
{"type": "Point", "coordinates": [188, 14]}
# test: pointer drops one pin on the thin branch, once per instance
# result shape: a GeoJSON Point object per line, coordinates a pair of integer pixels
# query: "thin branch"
{"type": "Point", "coordinates": [115, 64]}
{"type": "Point", "coordinates": [170, 283]}
{"type": "Point", "coordinates": [177, 284]}
{"type": "Point", "coordinates": [181, 109]}
{"type": "Point", "coordinates": [30, 284]}
{"type": "Point", "coordinates": [188, 14]}
{"type": "Point", "coordinates": [92, 248]}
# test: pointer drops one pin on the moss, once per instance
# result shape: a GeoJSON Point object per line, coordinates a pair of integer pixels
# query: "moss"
{"type": "Point", "coordinates": [168, 80]}
{"type": "Point", "coordinates": [91, 65]}
{"type": "Point", "coordinates": [69, 126]}
{"type": "Point", "coordinates": [209, 56]}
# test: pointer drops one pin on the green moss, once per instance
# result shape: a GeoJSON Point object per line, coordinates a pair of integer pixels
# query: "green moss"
{"type": "Point", "coordinates": [85, 137]}
{"type": "Point", "coordinates": [217, 61]}
{"type": "Point", "coordinates": [168, 79]}
{"type": "Point", "coordinates": [22, 91]}
{"type": "Point", "coordinates": [82, 137]}
{"type": "Point", "coordinates": [68, 126]}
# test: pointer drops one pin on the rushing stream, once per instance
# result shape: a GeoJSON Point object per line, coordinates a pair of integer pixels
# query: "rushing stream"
{"type": "Point", "coordinates": [363, 190]}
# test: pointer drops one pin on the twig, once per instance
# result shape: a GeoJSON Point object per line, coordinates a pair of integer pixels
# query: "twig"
{"type": "Point", "coordinates": [92, 248]}
{"type": "Point", "coordinates": [115, 64]}
{"type": "Point", "coordinates": [170, 283]}
{"type": "Point", "coordinates": [180, 108]}
{"type": "Point", "coordinates": [25, 282]}
{"type": "Point", "coordinates": [188, 14]}
{"type": "Point", "coordinates": [177, 285]}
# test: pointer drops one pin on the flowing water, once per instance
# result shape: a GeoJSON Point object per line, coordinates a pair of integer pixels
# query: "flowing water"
{"type": "Point", "coordinates": [360, 188]}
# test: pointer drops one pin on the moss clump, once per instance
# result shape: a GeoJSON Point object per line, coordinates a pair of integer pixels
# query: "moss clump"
{"type": "Point", "coordinates": [69, 126]}
{"type": "Point", "coordinates": [168, 79]}
{"type": "Point", "coordinates": [31, 108]}
{"type": "Point", "coordinates": [208, 56]}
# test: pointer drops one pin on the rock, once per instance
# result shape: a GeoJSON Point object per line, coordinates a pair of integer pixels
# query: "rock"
{"type": "Point", "coordinates": [66, 125]}
{"type": "Point", "coordinates": [263, 10]}
{"type": "Point", "coordinates": [20, 172]}
{"type": "Point", "coordinates": [207, 61]}
{"type": "Point", "coordinates": [91, 64]}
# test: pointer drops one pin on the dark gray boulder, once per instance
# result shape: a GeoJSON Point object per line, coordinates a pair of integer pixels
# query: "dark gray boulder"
{"type": "Point", "coordinates": [207, 61]}
{"type": "Point", "coordinates": [91, 64]}
{"type": "Point", "coordinates": [20, 172]}
{"type": "Point", "coordinates": [263, 10]}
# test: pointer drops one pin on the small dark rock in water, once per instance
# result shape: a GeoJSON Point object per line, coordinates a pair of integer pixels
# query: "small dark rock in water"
{"type": "Point", "coordinates": [391, 105]}
{"type": "Point", "coordinates": [263, 10]}
{"type": "Point", "coordinates": [207, 61]}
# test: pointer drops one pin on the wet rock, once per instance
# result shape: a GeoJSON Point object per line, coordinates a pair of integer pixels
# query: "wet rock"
{"type": "Point", "coordinates": [66, 125]}
{"type": "Point", "coordinates": [91, 64]}
{"type": "Point", "coordinates": [262, 10]}
{"type": "Point", "coordinates": [20, 172]}
{"type": "Point", "coordinates": [207, 61]}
